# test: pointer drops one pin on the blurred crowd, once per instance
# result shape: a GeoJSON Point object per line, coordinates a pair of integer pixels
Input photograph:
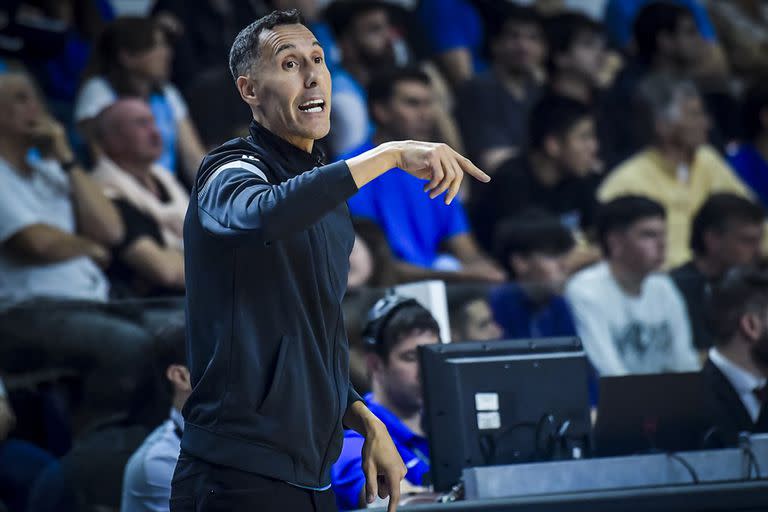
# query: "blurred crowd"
{"type": "Point", "coordinates": [627, 141]}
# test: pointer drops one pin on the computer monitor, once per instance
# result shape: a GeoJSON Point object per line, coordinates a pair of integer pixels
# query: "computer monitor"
{"type": "Point", "coordinates": [503, 402]}
{"type": "Point", "coordinates": [656, 413]}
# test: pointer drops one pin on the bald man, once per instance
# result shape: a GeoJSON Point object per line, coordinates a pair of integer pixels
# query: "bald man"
{"type": "Point", "coordinates": [151, 201]}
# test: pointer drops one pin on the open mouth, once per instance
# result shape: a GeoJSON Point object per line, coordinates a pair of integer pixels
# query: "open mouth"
{"type": "Point", "coordinates": [312, 106]}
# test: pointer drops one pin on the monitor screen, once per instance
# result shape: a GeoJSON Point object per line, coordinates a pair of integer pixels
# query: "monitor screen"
{"type": "Point", "coordinates": [503, 402]}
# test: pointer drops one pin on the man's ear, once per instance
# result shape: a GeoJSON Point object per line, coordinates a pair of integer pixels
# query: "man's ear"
{"type": "Point", "coordinates": [247, 89]}
{"type": "Point", "coordinates": [179, 377]}
{"type": "Point", "coordinates": [750, 326]}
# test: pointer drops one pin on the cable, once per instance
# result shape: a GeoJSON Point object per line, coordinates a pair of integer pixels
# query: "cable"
{"type": "Point", "coordinates": [752, 463]}
{"type": "Point", "coordinates": [686, 465]}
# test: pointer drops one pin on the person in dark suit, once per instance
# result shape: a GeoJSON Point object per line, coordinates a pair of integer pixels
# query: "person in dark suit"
{"type": "Point", "coordinates": [737, 367]}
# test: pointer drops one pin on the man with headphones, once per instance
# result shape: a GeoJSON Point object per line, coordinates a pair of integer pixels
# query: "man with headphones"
{"type": "Point", "coordinates": [396, 327]}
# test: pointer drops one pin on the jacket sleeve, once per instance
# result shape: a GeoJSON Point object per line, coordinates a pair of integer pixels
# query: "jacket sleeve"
{"type": "Point", "coordinates": [236, 201]}
{"type": "Point", "coordinates": [352, 396]}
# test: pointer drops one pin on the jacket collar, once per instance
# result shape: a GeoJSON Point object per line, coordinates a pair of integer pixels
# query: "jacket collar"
{"type": "Point", "coordinates": [294, 160]}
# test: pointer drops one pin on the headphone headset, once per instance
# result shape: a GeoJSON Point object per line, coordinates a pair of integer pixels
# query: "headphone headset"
{"type": "Point", "coordinates": [380, 314]}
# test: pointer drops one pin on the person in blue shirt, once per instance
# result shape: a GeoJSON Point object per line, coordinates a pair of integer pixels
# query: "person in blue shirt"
{"type": "Point", "coordinates": [470, 314]}
{"type": "Point", "coordinates": [750, 158]}
{"type": "Point", "coordinates": [535, 247]}
{"type": "Point", "coordinates": [455, 33]}
{"type": "Point", "coordinates": [396, 327]}
{"type": "Point", "coordinates": [419, 232]}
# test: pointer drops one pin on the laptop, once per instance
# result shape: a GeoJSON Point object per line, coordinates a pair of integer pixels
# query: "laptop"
{"type": "Point", "coordinates": [656, 413]}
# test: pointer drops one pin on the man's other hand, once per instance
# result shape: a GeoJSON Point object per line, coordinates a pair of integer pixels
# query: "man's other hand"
{"type": "Point", "coordinates": [383, 467]}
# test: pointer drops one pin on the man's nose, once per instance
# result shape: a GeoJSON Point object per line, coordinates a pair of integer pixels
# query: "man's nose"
{"type": "Point", "coordinates": [311, 80]}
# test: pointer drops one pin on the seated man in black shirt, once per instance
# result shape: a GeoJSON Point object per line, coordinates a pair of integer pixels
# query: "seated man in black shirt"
{"type": "Point", "coordinates": [555, 174]}
{"type": "Point", "coordinates": [151, 200]}
{"type": "Point", "coordinates": [726, 233]}
{"type": "Point", "coordinates": [491, 108]}
{"type": "Point", "coordinates": [737, 368]}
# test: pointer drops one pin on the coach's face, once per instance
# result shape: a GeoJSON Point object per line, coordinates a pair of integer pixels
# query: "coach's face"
{"type": "Point", "coordinates": [289, 88]}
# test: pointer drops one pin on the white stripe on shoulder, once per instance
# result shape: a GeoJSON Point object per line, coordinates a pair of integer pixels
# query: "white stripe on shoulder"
{"type": "Point", "coordinates": [236, 164]}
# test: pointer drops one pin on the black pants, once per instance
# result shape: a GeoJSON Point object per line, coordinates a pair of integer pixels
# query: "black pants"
{"type": "Point", "coordinates": [199, 486]}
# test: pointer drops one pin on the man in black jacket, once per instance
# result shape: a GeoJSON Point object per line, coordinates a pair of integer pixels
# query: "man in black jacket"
{"type": "Point", "coordinates": [737, 368]}
{"type": "Point", "coordinates": [267, 242]}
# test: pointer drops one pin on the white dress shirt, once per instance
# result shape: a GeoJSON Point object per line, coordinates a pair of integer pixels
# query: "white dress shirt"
{"type": "Point", "coordinates": [742, 381]}
{"type": "Point", "coordinates": [148, 474]}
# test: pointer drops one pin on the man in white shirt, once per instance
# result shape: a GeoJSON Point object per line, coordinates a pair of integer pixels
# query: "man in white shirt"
{"type": "Point", "coordinates": [630, 319]}
{"type": "Point", "coordinates": [737, 368]}
{"type": "Point", "coordinates": [56, 230]}
{"type": "Point", "coordinates": [147, 479]}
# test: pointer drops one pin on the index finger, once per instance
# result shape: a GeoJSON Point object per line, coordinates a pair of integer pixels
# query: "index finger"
{"type": "Point", "coordinates": [394, 494]}
{"type": "Point", "coordinates": [470, 168]}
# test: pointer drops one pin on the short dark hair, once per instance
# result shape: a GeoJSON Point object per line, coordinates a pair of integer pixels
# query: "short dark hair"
{"type": "Point", "coordinates": [245, 48]}
{"type": "Point", "coordinates": [718, 212]}
{"type": "Point", "coordinates": [403, 322]}
{"type": "Point", "coordinates": [554, 115]}
{"type": "Point", "coordinates": [382, 87]}
{"type": "Point", "coordinates": [459, 296]}
{"type": "Point", "coordinates": [562, 30]}
{"type": "Point", "coordinates": [499, 14]}
{"type": "Point", "coordinates": [652, 20]}
{"type": "Point", "coordinates": [753, 104]}
{"type": "Point", "coordinates": [621, 213]}
{"type": "Point", "coordinates": [169, 346]}
{"type": "Point", "coordinates": [531, 231]}
{"type": "Point", "coordinates": [743, 290]}
{"type": "Point", "coordinates": [132, 34]}
{"type": "Point", "coordinates": [341, 14]}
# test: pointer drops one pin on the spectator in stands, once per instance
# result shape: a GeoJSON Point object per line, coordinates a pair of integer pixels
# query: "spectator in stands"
{"type": "Point", "coordinates": [555, 173]}
{"type": "Point", "coordinates": [364, 33]}
{"type": "Point", "coordinates": [737, 368]}
{"type": "Point", "coordinates": [455, 34]}
{"type": "Point", "coordinates": [201, 33]}
{"type": "Point", "coordinates": [396, 328]}
{"type": "Point", "coordinates": [666, 41]}
{"type": "Point", "coordinates": [621, 15]}
{"type": "Point", "coordinates": [726, 233]}
{"type": "Point", "coordinates": [534, 246]}
{"type": "Point", "coordinates": [750, 158]}
{"type": "Point", "coordinates": [577, 55]}
{"type": "Point", "coordinates": [147, 480]}
{"type": "Point", "coordinates": [402, 105]}
{"type": "Point", "coordinates": [56, 229]}
{"type": "Point", "coordinates": [470, 314]}
{"type": "Point", "coordinates": [631, 320]}
{"type": "Point", "coordinates": [492, 108]}
{"type": "Point", "coordinates": [132, 58]}
{"type": "Point", "coordinates": [151, 201]}
{"type": "Point", "coordinates": [678, 170]}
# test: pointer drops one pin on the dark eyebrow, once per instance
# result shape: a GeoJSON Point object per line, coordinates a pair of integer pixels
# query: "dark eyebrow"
{"type": "Point", "coordinates": [290, 46]}
{"type": "Point", "coordinates": [286, 46]}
